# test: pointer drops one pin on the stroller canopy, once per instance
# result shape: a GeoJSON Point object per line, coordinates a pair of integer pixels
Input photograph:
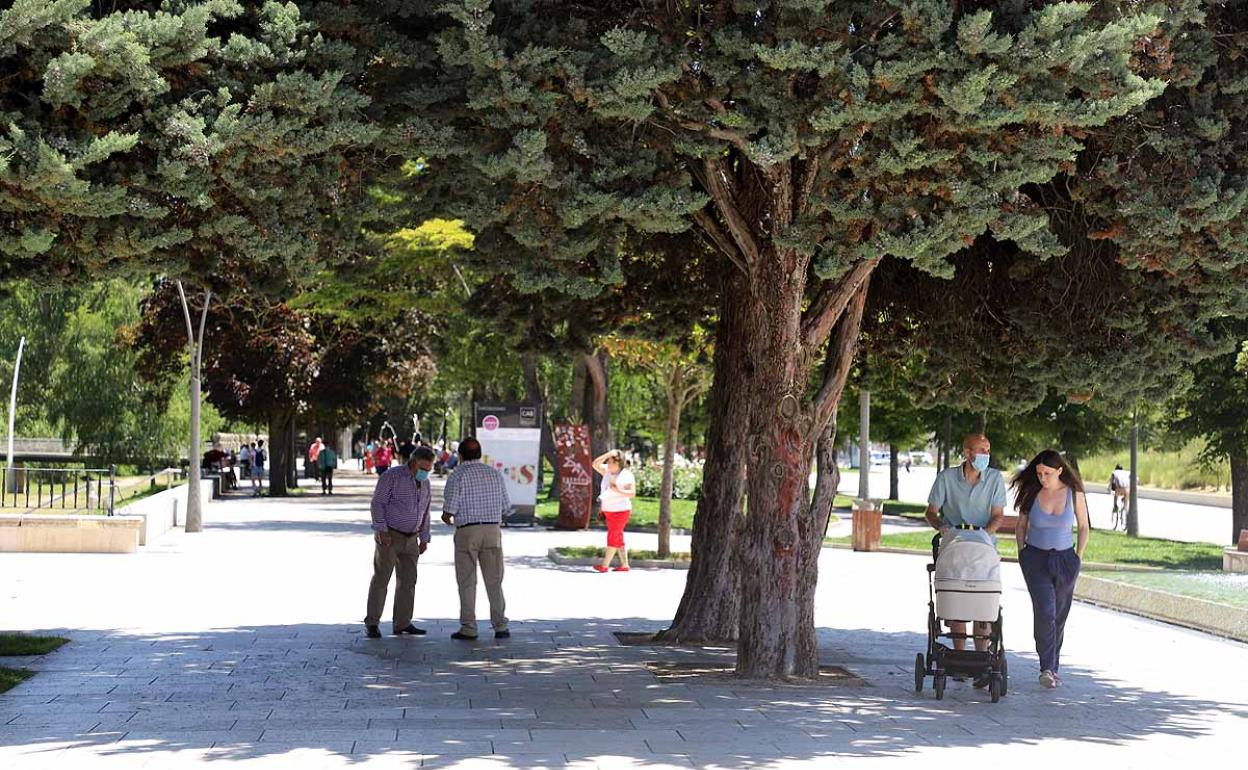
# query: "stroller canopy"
{"type": "Point", "coordinates": [968, 560]}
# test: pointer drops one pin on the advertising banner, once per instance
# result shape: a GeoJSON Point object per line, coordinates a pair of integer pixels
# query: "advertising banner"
{"type": "Point", "coordinates": [511, 441]}
{"type": "Point", "coordinates": [576, 478]}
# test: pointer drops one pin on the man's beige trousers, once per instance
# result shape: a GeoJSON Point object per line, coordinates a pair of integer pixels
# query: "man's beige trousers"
{"type": "Point", "coordinates": [480, 544]}
{"type": "Point", "coordinates": [400, 556]}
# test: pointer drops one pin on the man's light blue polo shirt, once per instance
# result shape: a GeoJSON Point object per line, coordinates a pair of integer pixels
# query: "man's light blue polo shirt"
{"type": "Point", "coordinates": [961, 503]}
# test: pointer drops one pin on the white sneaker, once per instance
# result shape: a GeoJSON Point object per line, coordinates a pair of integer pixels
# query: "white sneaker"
{"type": "Point", "coordinates": [1048, 679]}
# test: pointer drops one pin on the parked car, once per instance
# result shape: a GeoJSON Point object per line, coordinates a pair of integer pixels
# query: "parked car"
{"type": "Point", "coordinates": [879, 457]}
{"type": "Point", "coordinates": [921, 458]}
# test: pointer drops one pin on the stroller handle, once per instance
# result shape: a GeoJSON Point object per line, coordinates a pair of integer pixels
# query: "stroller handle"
{"type": "Point", "coordinates": [935, 546]}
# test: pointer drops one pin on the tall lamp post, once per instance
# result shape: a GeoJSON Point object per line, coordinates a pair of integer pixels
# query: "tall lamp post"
{"type": "Point", "coordinates": [11, 480]}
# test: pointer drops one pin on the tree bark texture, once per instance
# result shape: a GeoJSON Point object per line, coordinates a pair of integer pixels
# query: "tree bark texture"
{"type": "Point", "coordinates": [710, 608]}
{"type": "Point", "coordinates": [675, 387]}
{"type": "Point", "coordinates": [195, 346]}
{"type": "Point", "coordinates": [894, 483]}
{"type": "Point", "coordinates": [782, 332]}
{"type": "Point", "coordinates": [1239, 494]}
{"type": "Point", "coordinates": [534, 393]}
{"type": "Point", "coordinates": [780, 546]}
{"type": "Point", "coordinates": [281, 428]}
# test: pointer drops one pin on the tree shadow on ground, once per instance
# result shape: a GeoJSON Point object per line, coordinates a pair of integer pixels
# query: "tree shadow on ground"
{"type": "Point", "coordinates": [559, 690]}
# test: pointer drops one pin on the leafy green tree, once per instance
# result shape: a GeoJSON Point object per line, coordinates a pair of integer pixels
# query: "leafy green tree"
{"type": "Point", "coordinates": [806, 141]}
{"type": "Point", "coordinates": [213, 141]}
{"type": "Point", "coordinates": [679, 374]}
{"type": "Point", "coordinates": [1215, 410]}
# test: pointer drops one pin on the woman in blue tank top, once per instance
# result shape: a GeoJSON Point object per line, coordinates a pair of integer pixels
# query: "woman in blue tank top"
{"type": "Point", "coordinates": [1049, 497]}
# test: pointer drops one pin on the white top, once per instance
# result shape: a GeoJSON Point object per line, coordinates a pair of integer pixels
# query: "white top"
{"type": "Point", "coordinates": [1121, 478]}
{"type": "Point", "coordinates": [613, 500]}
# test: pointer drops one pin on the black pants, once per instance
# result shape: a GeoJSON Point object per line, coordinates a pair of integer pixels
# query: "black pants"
{"type": "Point", "coordinates": [1050, 577]}
{"type": "Point", "coordinates": [327, 480]}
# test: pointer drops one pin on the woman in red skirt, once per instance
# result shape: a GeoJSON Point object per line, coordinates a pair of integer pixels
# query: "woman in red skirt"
{"type": "Point", "coordinates": [618, 489]}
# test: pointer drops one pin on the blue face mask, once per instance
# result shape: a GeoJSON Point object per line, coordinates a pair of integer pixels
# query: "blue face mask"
{"type": "Point", "coordinates": [422, 475]}
{"type": "Point", "coordinates": [980, 463]}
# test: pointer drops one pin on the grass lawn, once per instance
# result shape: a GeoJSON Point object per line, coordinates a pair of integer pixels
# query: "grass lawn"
{"type": "Point", "coordinates": [1103, 548]}
{"type": "Point", "coordinates": [891, 507]}
{"type": "Point", "coordinates": [1211, 586]}
{"type": "Point", "coordinates": [23, 644]}
{"type": "Point", "coordinates": [645, 513]}
{"type": "Point", "coordinates": [596, 552]}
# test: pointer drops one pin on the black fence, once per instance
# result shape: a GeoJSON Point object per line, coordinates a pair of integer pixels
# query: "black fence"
{"type": "Point", "coordinates": [62, 489]}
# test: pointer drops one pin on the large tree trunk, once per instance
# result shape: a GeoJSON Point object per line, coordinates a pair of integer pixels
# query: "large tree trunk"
{"type": "Point", "coordinates": [597, 408]}
{"type": "Point", "coordinates": [281, 427]}
{"type": "Point", "coordinates": [674, 388]}
{"type": "Point", "coordinates": [781, 543]}
{"type": "Point", "coordinates": [711, 605]}
{"type": "Point", "coordinates": [1239, 494]}
{"type": "Point", "coordinates": [535, 394]}
{"type": "Point", "coordinates": [773, 640]}
{"type": "Point", "coordinates": [894, 483]}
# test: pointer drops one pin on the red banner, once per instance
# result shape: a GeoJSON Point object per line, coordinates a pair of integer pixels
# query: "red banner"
{"type": "Point", "coordinates": [576, 478]}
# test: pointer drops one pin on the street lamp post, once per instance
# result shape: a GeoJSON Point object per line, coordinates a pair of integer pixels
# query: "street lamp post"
{"type": "Point", "coordinates": [1133, 510]}
{"type": "Point", "coordinates": [17, 369]}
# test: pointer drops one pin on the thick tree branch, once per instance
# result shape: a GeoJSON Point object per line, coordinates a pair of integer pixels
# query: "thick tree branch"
{"type": "Point", "coordinates": [808, 172]}
{"type": "Point", "coordinates": [840, 356]}
{"type": "Point", "coordinates": [830, 303]}
{"type": "Point", "coordinates": [716, 185]}
{"type": "Point", "coordinates": [717, 236]}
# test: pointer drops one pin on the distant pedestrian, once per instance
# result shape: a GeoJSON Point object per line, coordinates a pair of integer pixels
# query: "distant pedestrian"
{"type": "Point", "coordinates": [618, 489]}
{"type": "Point", "coordinates": [384, 457]}
{"type": "Point", "coordinates": [1120, 488]}
{"type": "Point", "coordinates": [368, 458]}
{"type": "Point", "coordinates": [1051, 503]}
{"type": "Point", "coordinates": [244, 460]}
{"type": "Point", "coordinates": [313, 451]}
{"type": "Point", "coordinates": [475, 502]}
{"type": "Point", "coordinates": [326, 462]}
{"type": "Point", "coordinates": [400, 510]}
{"type": "Point", "coordinates": [259, 456]}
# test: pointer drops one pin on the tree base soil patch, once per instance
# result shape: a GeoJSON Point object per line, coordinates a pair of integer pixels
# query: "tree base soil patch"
{"type": "Point", "coordinates": [720, 670]}
{"type": "Point", "coordinates": [649, 639]}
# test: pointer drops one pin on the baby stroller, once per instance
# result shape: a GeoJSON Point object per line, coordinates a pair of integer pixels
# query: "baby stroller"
{"type": "Point", "coordinates": [964, 585]}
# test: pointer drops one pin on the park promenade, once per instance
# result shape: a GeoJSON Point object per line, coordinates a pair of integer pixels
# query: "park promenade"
{"type": "Point", "coordinates": [243, 646]}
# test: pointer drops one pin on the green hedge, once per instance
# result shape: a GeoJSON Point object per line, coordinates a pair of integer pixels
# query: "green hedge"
{"type": "Point", "coordinates": [686, 482]}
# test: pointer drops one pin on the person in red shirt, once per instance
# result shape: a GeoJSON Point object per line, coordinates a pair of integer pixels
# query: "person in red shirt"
{"type": "Point", "coordinates": [385, 456]}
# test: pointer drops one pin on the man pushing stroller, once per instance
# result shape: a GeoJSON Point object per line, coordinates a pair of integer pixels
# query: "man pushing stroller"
{"type": "Point", "coordinates": [967, 502]}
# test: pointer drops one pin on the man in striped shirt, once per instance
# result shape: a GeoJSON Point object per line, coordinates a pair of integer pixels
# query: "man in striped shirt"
{"type": "Point", "coordinates": [476, 499]}
{"type": "Point", "coordinates": [400, 511]}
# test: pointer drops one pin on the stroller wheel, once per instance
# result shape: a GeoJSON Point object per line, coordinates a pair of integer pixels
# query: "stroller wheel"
{"type": "Point", "coordinates": [994, 688]}
{"type": "Point", "coordinates": [1005, 675]}
{"type": "Point", "coordinates": [920, 672]}
{"type": "Point", "coordinates": [940, 686]}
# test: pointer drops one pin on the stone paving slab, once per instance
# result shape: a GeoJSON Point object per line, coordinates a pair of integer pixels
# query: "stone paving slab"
{"type": "Point", "coordinates": [245, 670]}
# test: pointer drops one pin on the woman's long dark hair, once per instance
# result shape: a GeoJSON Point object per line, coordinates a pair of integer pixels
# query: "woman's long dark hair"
{"type": "Point", "coordinates": [1026, 483]}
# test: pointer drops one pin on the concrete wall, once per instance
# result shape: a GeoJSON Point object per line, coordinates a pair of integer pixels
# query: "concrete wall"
{"type": "Point", "coordinates": [164, 510]}
{"type": "Point", "coordinates": [64, 533]}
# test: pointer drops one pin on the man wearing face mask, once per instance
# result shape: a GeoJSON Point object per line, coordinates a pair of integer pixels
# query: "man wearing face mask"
{"type": "Point", "coordinates": [967, 502]}
{"type": "Point", "coordinates": [400, 511]}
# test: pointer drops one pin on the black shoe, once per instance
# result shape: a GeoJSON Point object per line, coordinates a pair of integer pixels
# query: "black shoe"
{"type": "Point", "coordinates": [502, 634]}
{"type": "Point", "coordinates": [983, 681]}
{"type": "Point", "coordinates": [372, 632]}
{"type": "Point", "coordinates": [413, 630]}
{"type": "Point", "coordinates": [463, 637]}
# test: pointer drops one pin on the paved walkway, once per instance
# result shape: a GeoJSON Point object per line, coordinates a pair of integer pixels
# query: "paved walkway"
{"type": "Point", "coordinates": [242, 645]}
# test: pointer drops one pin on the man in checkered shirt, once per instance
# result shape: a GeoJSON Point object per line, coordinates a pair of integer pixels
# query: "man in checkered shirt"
{"type": "Point", "coordinates": [475, 502]}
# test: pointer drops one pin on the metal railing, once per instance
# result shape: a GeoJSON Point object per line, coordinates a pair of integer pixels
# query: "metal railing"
{"type": "Point", "coordinates": [64, 489]}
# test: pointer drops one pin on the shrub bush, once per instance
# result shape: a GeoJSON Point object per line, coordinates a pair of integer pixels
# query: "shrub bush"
{"type": "Point", "coordinates": [686, 482]}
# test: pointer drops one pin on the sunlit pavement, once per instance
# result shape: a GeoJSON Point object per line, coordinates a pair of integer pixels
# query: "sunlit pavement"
{"type": "Point", "coordinates": [243, 645]}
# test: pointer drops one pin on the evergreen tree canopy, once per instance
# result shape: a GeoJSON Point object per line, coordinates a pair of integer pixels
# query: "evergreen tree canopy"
{"type": "Point", "coordinates": [190, 138]}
